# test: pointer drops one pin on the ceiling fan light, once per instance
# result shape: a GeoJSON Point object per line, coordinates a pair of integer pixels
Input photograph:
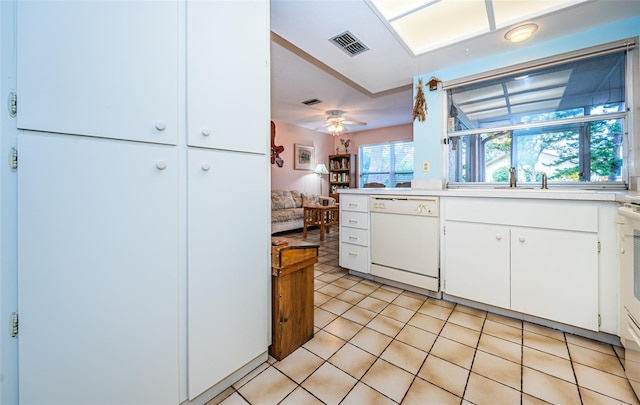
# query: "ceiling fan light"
{"type": "Point", "coordinates": [521, 33]}
{"type": "Point", "coordinates": [336, 128]}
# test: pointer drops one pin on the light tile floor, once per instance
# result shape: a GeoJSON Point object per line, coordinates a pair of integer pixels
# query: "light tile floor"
{"type": "Point", "coordinates": [376, 344]}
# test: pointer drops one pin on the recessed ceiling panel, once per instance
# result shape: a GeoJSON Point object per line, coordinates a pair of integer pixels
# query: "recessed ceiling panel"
{"type": "Point", "coordinates": [395, 8]}
{"type": "Point", "coordinates": [508, 12]}
{"type": "Point", "coordinates": [442, 23]}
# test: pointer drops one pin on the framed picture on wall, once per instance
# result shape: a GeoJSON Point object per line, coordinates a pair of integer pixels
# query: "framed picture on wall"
{"type": "Point", "coordinates": [303, 159]}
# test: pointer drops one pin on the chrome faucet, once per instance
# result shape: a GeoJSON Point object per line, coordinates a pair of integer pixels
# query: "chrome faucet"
{"type": "Point", "coordinates": [544, 181]}
{"type": "Point", "coordinates": [512, 176]}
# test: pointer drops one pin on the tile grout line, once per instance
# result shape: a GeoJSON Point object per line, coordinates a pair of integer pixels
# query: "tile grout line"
{"type": "Point", "coordinates": [358, 380]}
{"type": "Point", "coordinates": [428, 353]}
{"type": "Point", "coordinates": [573, 369]}
{"type": "Point", "coordinates": [521, 363]}
{"type": "Point", "coordinates": [474, 359]}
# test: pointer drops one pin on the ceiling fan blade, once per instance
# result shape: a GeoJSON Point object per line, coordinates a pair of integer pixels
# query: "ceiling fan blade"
{"type": "Point", "coordinates": [322, 126]}
{"type": "Point", "coordinates": [349, 122]}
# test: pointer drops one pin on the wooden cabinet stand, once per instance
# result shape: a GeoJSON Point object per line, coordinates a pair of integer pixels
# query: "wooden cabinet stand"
{"type": "Point", "coordinates": [292, 295]}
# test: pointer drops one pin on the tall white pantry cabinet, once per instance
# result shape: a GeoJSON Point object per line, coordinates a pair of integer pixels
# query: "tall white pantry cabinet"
{"type": "Point", "coordinates": [143, 266]}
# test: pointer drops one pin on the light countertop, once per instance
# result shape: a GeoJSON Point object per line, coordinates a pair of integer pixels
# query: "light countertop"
{"type": "Point", "coordinates": [521, 193]}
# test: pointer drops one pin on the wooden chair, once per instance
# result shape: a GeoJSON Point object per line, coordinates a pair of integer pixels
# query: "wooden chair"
{"type": "Point", "coordinates": [404, 184]}
{"type": "Point", "coordinates": [373, 185]}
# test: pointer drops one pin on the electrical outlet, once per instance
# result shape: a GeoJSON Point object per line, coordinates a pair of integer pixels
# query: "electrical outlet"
{"type": "Point", "coordinates": [425, 166]}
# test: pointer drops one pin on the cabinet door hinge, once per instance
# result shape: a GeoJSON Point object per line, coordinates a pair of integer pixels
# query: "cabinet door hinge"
{"type": "Point", "coordinates": [14, 323]}
{"type": "Point", "coordinates": [444, 230]}
{"type": "Point", "coordinates": [13, 159]}
{"type": "Point", "coordinates": [599, 247]}
{"type": "Point", "coordinates": [13, 103]}
{"type": "Point", "coordinates": [599, 321]}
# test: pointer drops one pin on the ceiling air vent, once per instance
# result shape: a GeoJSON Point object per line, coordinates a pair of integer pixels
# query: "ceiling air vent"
{"type": "Point", "coordinates": [311, 102]}
{"type": "Point", "coordinates": [349, 43]}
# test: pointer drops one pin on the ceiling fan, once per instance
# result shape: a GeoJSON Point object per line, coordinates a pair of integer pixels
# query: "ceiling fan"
{"type": "Point", "coordinates": [336, 123]}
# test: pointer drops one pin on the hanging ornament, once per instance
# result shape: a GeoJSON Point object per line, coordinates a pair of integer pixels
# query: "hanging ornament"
{"type": "Point", "coordinates": [420, 107]}
{"type": "Point", "coordinates": [433, 84]}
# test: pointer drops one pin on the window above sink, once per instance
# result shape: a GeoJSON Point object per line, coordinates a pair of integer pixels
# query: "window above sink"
{"type": "Point", "coordinates": [566, 118]}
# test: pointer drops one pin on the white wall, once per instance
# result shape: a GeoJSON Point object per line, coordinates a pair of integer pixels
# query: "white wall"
{"type": "Point", "coordinates": [8, 208]}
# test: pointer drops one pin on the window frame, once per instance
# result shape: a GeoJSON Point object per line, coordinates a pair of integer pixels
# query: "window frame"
{"type": "Point", "coordinates": [627, 45]}
{"type": "Point", "coordinates": [392, 173]}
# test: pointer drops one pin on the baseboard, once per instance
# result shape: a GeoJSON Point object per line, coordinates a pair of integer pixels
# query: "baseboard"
{"type": "Point", "coordinates": [212, 392]}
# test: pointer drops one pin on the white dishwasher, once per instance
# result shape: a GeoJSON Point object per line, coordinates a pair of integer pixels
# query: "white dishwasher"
{"type": "Point", "coordinates": [405, 240]}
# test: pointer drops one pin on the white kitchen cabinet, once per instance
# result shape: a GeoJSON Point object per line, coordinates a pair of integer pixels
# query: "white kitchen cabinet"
{"type": "Point", "coordinates": [554, 275]}
{"type": "Point", "coordinates": [164, 297]}
{"type": "Point", "coordinates": [228, 76]}
{"type": "Point", "coordinates": [228, 273]}
{"type": "Point", "coordinates": [478, 262]}
{"type": "Point", "coordinates": [98, 254]}
{"type": "Point", "coordinates": [354, 232]}
{"type": "Point", "coordinates": [99, 68]}
{"type": "Point", "coordinates": [539, 258]}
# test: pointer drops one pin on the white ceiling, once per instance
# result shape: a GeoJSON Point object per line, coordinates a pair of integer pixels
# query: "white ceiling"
{"type": "Point", "coordinates": [376, 86]}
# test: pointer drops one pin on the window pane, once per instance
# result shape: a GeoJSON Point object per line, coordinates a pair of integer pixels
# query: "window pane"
{"type": "Point", "coordinates": [571, 148]}
{"type": "Point", "coordinates": [569, 89]}
{"type": "Point", "coordinates": [575, 152]}
{"type": "Point", "coordinates": [387, 163]}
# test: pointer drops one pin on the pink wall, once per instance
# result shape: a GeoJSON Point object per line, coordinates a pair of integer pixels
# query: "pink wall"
{"type": "Point", "coordinates": [286, 178]}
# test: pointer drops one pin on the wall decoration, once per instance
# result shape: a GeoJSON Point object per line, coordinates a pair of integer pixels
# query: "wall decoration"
{"type": "Point", "coordinates": [304, 157]}
{"type": "Point", "coordinates": [433, 84]}
{"type": "Point", "coordinates": [420, 107]}
{"type": "Point", "coordinates": [276, 150]}
{"type": "Point", "coordinates": [345, 143]}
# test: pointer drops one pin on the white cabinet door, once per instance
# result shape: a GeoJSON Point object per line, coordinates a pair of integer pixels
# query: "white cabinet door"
{"type": "Point", "coordinates": [99, 68]}
{"type": "Point", "coordinates": [477, 262]}
{"type": "Point", "coordinates": [229, 255]}
{"type": "Point", "coordinates": [228, 75]}
{"type": "Point", "coordinates": [554, 275]}
{"type": "Point", "coordinates": [98, 269]}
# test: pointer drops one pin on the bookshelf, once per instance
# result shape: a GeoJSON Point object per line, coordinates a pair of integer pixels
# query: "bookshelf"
{"type": "Point", "coordinates": [342, 173]}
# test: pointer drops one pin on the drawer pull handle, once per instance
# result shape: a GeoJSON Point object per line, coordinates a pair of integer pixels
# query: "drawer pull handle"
{"type": "Point", "coordinates": [353, 237]}
{"type": "Point", "coordinates": [353, 254]}
{"type": "Point", "coordinates": [498, 237]}
{"type": "Point", "coordinates": [353, 204]}
{"type": "Point", "coordinates": [353, 221]}
{"type": "Point", "coordinates": [522, 239]}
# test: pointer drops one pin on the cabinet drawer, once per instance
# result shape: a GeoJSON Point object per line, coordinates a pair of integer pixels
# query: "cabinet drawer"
{"type": "Point", "coordinates": [358, 220]}
{"type": "Point", "coordinates": [354, 257]}
{"type": "Point", "coordinates": [350, 202]}
{"type": "Point", "coordinates": [570, 216]}
{"type": "Point", "coordinates": [355, 236]}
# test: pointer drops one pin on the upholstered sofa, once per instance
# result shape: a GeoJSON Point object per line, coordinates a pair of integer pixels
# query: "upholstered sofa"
{"type": "Point", "coordinates": [287, 208]}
